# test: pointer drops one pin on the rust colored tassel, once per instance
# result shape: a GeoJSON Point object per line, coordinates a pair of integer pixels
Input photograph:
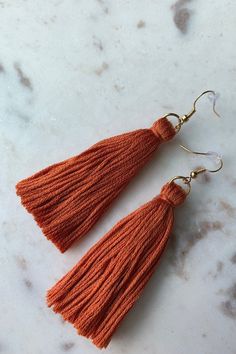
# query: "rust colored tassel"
{"type": "Point", "coordinates": [98, 292]}
{"type": "Point", "coordinates": [67, 198]}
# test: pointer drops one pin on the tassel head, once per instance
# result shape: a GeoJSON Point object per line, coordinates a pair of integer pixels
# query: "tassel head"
{"type": "Point", "coordinates": [173, 194]}
{"type": "Point", "coordinates": [163, 129]}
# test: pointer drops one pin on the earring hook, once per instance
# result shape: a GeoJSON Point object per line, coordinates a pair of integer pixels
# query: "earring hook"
{"type": "Point", "coordinates": [214, 101]}
{"type": "Point", "coordinates": [204, 154]}
{"type": "Point", "coordinates": [194, 173]}
{"type": "Point", "coordinates": [185, 118]}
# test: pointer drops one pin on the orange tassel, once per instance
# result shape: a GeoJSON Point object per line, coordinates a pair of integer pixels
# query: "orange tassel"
{"type": "Point", "coordinates": [67, 198]}
{"type": "Point", "coordinates": [98, 292]}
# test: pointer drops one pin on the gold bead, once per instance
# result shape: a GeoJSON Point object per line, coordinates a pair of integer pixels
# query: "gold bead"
{"type": "Point", "coordinates": [193, 174]}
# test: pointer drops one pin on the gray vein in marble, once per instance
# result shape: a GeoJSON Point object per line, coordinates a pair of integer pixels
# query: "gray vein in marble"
{"type": "Point", "coordinates": [16, 113]}
{"type": "Point", "coordinates": [181, 251]}
{"type": "Point", "coordinates": [2, 70]}
{"type": "Point", "coordinates": [21, 262]}
{"type": "Point", "coordinates": [99, 71]}
{"type": "Point", "coordinates": [23, 117]}
{"type": "Point", "coordinates": [228, 307]}
{"type": "Point", "coordinates": [141, 24]}
{"type": "Point", "coordinates": [219, 266]}
{"type": "Point", "coordinates": [218, 270]}
{"type": "Point", "coordinates": [118, 88]}
{"type": "Point", "coordinates": [228, 208]}
{"type": "Point", "coordinates": [98, 43]}
{"type": "Point", "coordinates": [233, 258]}
{"type": "Point", "coordinates": [181, 15]}
{"type": "Point", "coordinates": [28, 284]}
{"type": "Point", "coordinates": [23, 78]}
{"type": "Point", "coordinates": [50, 20]}
{"type": "Point", "coordinates": [67, 346]}
{"type": "Point", "coordinates": [103, 6]}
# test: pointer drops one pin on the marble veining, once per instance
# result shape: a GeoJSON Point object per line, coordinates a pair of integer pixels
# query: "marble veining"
{"type": "Point", "coordinates": [181, 15]}
{"type": "Point", "coordinates": [23, 79]}
{"type": "Point", "coordinates": [67, 346]}
{"type": "Point", "coordinates": [74, 72]}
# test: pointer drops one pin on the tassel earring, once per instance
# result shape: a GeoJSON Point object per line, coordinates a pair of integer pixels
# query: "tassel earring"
{"type": "Point", "coordinates": [67, 198]}
{"type": "Point", "coordinates": [98, 292]}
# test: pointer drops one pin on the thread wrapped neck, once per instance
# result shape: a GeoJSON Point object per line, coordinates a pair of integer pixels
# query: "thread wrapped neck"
{"type": "Point", "coordinates": [163, 129]}
{"type": "Point", "coordinates": [173, 194]}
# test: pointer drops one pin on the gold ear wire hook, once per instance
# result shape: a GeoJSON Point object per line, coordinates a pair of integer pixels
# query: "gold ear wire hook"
{"type": "Point", "coordinates": [185, 118]}
{"type": "Point", "coordinates": [201, 170]}
{"type": "Point", "coordinates": [194, 173]}
{"type": "Point", "coordinates": [214, 101]}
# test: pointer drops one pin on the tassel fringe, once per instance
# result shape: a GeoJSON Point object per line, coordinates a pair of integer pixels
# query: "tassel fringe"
{"type": "Point", "coordinates": [67, 198]}
{"type": "Point", "coordinates": [98, 292]}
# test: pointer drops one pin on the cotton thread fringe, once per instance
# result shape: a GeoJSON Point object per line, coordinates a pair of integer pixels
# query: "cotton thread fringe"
{"type": "Point", "coordinates": [67, 198]}
{"type": "Point", "coordinates": [98, 292]}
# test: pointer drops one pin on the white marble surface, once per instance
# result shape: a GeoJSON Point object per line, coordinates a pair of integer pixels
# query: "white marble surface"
{"type": "Point", "coordinates": [73, 72]}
